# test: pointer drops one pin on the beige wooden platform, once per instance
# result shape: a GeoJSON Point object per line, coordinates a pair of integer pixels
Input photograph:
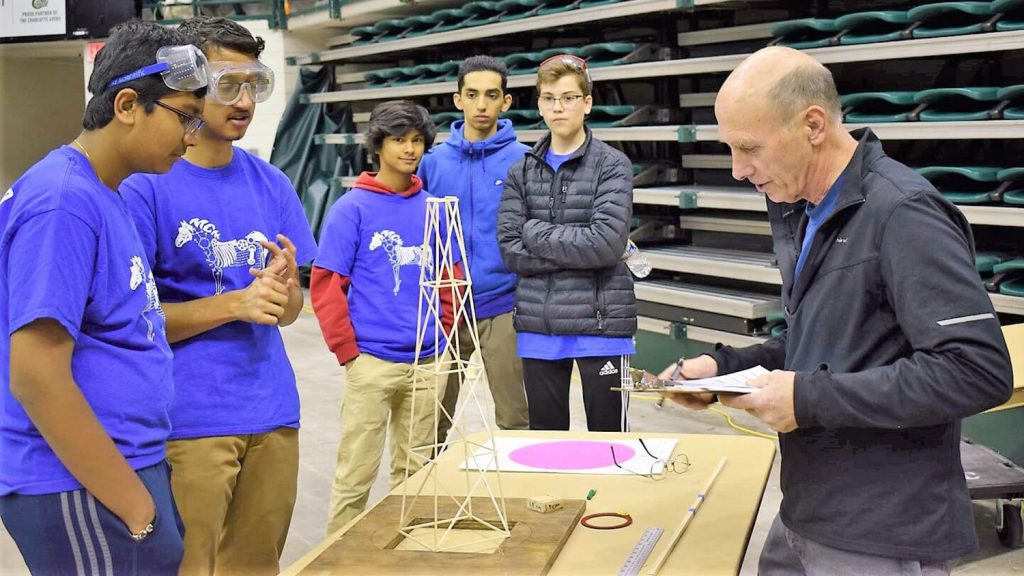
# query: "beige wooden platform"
{"type": "Point", "coordinates": [713, 544]}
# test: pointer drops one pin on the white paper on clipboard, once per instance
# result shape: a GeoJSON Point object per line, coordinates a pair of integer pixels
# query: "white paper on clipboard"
{"type": "Point", "coordinates": [735, 383]}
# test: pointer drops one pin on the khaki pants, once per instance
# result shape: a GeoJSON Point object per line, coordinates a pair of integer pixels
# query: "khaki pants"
{"type": "Point", "coordinates": [235, 495]}
{"type": "Point", "coordinates": [377, 391]}
{"type": "Point", "coordinates": [504, 375]}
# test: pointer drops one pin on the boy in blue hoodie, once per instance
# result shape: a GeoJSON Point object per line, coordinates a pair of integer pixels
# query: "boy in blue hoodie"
{"type": "Point", "coordinates": [472, 165]}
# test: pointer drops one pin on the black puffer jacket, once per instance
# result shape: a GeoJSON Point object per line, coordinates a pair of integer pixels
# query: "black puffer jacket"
{"type": "Point", "coordinates": [564, 234]}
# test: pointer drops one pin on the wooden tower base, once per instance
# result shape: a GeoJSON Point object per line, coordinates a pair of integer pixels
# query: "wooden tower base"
{"type": "Point", "coordinates": [374, 545]}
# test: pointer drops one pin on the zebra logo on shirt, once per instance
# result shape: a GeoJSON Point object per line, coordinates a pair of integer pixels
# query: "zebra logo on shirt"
{"type": "Point", "coordinates": [219, 254]}
{"type": "Point", "coordinates": [138, 272]}
{"type": "Point", "coordinates": [400, 255]}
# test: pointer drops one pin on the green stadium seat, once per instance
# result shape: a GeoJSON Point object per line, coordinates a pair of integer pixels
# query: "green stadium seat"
{"type": "Point", "coordinates": [985, 262]}
{"type": "Point", "coordinates": [805, 33]}
{"type": "Point", "coordinates": [871, 27]}
{"type": "Point", "coordinates": [609, 116]}
{"type": "Point", "coordinates": [443, 119]}
{"type": "Point", "coordinates": [1015, 177]}
{"type": "Point", "coordinates": [1011, 265]}
{"type": "Point", "coordinates": [1012, 287]}
{"type": "Point", "coordinates": [606, 53]}
{"type": "Point", "coordinates": [950, 19]}
{"type": "Point", "coordinates": [957, 104]}
{"type": "Point", "coordinates": [596, 3]}
{"type": "Point", "coordinates": [963, 184]}
{"type": "Point", "coordinates": [482, 12]}
{"type": "Point", "coordinates": [1013, 96]}
{"type": "Point", "coordinates": [556, 6]}
{"type": "Point", "coordinates": [451, 19]}
{"type": "Point", "coordinates": [523, 118]}
{"type": "Point", "coordinates": [418, 25]}
{"type": "Point", "coordinates": [389, 29]}
{"type": "Point", "coordinates": [430, 73]}
{"type": "Point", "coordinates": [1013, 14]}
{"type": "Point", "coordinates": [363, 34]}
{"type": "Point", "coordinates": [517, 9]}
{"type": "Point", "coordinates": [877, 107]}
{"type": "Point", "coordinates": [385, 76]}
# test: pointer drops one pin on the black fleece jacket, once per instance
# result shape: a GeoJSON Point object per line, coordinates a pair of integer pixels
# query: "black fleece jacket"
{"type": "Point", "coordinates": [893, 340]}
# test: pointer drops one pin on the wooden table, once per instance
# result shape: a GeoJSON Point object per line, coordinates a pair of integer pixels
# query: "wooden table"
{"type": "Point", "coordinates": [715, 541]}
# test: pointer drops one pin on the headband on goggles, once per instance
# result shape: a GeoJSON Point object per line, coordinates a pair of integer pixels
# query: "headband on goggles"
{"type": "Point", "coordinates": [183, 68]}
{"type": "Point", "coordinates": [228, 79]}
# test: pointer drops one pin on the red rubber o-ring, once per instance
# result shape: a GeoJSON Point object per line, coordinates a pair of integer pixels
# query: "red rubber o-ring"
{"type": "Point", "coordinates": [627, 520]}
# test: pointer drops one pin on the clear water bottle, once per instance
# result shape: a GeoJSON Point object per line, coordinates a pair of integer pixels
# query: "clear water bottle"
{"type": "Point", "coordinates": [636, 261]}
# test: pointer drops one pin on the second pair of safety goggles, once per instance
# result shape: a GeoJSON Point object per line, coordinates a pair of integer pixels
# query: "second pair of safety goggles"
{"type": "Point", "coordinates": [182, 68]}
{"type": "Point", "coordinates": [574, 61]}
{"type": "Point", "coordinates": [229, 79]}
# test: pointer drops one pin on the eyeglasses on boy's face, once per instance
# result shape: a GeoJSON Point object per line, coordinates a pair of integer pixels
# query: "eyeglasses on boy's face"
{"type": "Point", "coordinates": [568, 101]}
{"type": "Point", "coordinates": [192, 124]}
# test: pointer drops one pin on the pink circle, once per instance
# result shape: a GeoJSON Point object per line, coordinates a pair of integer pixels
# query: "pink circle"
{"type": "Point", "coordinates": [571, 455]}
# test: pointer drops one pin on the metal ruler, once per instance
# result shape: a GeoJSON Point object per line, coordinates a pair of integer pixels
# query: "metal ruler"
{"type": "Point", "coordinates": [640, 553]}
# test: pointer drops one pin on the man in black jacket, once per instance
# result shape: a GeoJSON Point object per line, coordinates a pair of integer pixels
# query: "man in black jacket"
{"type": "Point", "coordinates": [562, 227]}
{"type": "Point", "coordinates": [892, 340]}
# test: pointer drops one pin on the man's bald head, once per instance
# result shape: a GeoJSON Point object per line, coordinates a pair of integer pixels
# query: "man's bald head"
{"type": "Point", "coordinates": [782, 81]}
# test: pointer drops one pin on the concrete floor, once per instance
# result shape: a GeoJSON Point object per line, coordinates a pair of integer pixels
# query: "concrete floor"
{"type": "Point", "coordinates": [321, 384]}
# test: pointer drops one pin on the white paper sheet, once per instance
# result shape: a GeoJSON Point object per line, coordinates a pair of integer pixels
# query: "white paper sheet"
{"type": "Point", "coordinates": [561, 456]}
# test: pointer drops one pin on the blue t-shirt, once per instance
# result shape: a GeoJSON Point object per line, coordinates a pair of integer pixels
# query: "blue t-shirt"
{"type": "Point", "coordinates": [375, 239]}
{"type": "Point", "coordinates": [69, 252]}
{"type": "Point", "coordinates": [561, 346]}
{"type": "Point", "coordinates": [816, 216]}
{"type": "Point", "coordinates": [201, 229]}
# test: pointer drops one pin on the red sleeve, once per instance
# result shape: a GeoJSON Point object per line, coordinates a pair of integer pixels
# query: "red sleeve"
{"type": "Point", "coordinates": [449, 302]}
{"type": "Point", "coordinates": [329, 292]}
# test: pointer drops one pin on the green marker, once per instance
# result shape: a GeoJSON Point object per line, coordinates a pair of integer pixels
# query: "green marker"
{"type": "Point", "coordinates": [591, 493]}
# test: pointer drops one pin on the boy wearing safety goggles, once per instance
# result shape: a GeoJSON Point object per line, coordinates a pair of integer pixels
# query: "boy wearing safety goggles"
{"type": "Point", "coordinates": [563, 226]}
{"type": "Point", "coordinates": [208, 227]}
{"type": "Point", "coordinates": [85, 367]}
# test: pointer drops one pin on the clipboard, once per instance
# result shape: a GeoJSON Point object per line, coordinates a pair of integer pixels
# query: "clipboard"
{"type": "Point", "coordinates": [734, 383]}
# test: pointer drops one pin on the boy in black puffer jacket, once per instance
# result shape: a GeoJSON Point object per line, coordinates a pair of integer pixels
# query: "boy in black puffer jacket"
{"type": "Point", "coordinates": [563, 226]}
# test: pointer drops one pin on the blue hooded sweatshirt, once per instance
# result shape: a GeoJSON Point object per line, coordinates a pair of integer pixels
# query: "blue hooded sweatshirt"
{"type": "Point", "coordinates": [475, 173]}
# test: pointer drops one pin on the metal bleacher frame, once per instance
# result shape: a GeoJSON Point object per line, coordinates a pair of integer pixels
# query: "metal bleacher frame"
{"type": "Point", "coordinates": [735, 265]}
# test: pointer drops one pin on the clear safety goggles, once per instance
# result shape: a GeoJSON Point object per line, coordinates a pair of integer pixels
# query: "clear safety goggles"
{"type": "Point", "coordinates": [183, 68]}
{"type": "Point", "coordinates": [228, 79]}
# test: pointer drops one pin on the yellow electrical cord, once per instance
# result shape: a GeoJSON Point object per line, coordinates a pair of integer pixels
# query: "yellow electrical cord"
{"type": "Point", "coordinates": [728, 417]}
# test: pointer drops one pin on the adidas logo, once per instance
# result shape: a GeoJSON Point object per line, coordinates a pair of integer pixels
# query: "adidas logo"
{"type": "Point", "coordinates": [7, 195]}
{"type": "Point", "coordinates": [608, 369]}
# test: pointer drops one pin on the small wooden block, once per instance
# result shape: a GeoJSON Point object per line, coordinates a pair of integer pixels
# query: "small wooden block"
{"type": "Point", "coordinates": [544, 504]}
